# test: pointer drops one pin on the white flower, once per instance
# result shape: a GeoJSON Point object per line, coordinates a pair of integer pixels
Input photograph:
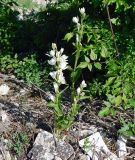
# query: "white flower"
{"type": "Point", "coordinates": [83, 84]}
{"type": "Point", "coordinates": [56, 87]}
{"type": "Point", "coordinates": [51, 97]}
{"type": "Point", "coordinates": [54, 46]}
{"type": "Point", "coordinates": [52, 61]}
{"type": "Point", "coordinates": [78, 90]}
{"type": "Point", "coordinates": [53, 74]}
{"type": "Point", "coordinates": [58, 54]}
{"type": "Point", "coordinates": [61, 50]}
{"type": "Point", "coordinates": [52, 53]}
{"type": "Point", "coordinates": [63, 65]}
{"type": "Point", "coordinates": [63, 62]}
{"type": "Point", "coordinates": [75, 20]}
{"type": "Point", "coordinates": [4, 89]}
{"type": "Point", "coordinates": [82, 94]}
{"type": "Point", "coordinates": [82, 11]}
{"type": "Point", "coordinates": [61, 78]}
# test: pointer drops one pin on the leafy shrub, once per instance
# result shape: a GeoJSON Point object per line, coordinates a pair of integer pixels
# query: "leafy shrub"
{"type": "Point", "coordinates": [7, 19]}
{"type": "Point", "coordinates": [127, 129]}
{"type": "Point", "coordinates": [27, 68]}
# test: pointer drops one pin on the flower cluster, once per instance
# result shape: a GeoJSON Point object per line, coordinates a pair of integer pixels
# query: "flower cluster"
{"type": "Point", "coordinates": [80, 89]}
{"type": "Point", "coordinates": [60, 62]}
{"type": "Point", "coordinates": [76, 19]}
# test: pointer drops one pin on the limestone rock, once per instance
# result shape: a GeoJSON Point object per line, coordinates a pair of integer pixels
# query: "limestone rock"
{"type": "Point", "coordinates": [47, 148]}
{"type": "Point", "coordinates": [4, 153]}
{"type": "Point", "coordinates": [95, 147]}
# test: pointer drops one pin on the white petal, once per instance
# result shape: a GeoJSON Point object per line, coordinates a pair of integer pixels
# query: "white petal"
{"type": "Point", "coordinates": [63, 65]}
{"type": "Point", "coordinates": [51, 97]}
{"type": "Point", "coordinates": [75, 19]}
{"type": "Point", "coordinates": [52, 53]}
{"type": "Point", "coordinates": [54, 46]}
{"type": "Point", "coordinates": [61, 78]}
{"type": "Point", "coordinates": [61, 50]}
{"type": "Point", "coordinates": [53, 74]}
{"type": "Point", "coordinates": [82, 94]}
{"type": "Point", "coordinates": [82, 11]}
{"type": "Point", "coordinates": [83, 84]}
{"type": "Point", "coordinates": [58, 54]}
{"type": "Point", "coordinates": [63, 57]}
{"type": "Point", "coordinates": [52, 61]}
{"type": "Point", "coordinates": [78, 90]}
{"type": "Point", "coordinates": [55, 86]}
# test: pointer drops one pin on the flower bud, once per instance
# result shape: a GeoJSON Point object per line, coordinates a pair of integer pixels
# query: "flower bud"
{"type": "Point", "coordinates": [75, 20]}
{"type": "Point", "coordinates": [51, 97]}
{"type": "Point", "coordinates": [77, 38]}
{"type": "Point", "coordinates": [78, 90]}
{"type": "Point", "coordinates": [83, 84]}
{"type": "Point", "coordinates": [82, 11]}
{"type": "Point", "coordinates": [61, 50]}
{"type": "Point", "coordinates": [56, 87]}
{"type": "Point", "coordinates": [54, 46]}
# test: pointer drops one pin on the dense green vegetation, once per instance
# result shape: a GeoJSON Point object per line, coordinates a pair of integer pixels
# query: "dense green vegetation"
{"type": "Point", "coordinates": [106, 56]}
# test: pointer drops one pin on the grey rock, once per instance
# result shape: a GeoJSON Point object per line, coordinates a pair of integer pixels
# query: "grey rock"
{"type": "Point", "coordinates": [47, 148]}
{"type": "Point", "coordinates": [121, 146]}
{"type": "Point", "coordinates": [4, 122]}
{"type": "Point", "coordinates": [95, 147]}
{"type": "Point", "coordinates": [4, 153]}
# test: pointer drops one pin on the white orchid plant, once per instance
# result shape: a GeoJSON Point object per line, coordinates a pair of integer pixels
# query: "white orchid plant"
{"type": "Point", "coordinates": [60, 62]}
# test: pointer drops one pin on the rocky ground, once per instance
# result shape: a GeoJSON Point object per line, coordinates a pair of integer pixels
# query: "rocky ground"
{"type": "Point", "coordinates": [26, 128]}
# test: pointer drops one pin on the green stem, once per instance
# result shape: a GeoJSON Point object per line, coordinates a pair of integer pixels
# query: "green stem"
{"type": "Point", "coordinates": [77, 56]}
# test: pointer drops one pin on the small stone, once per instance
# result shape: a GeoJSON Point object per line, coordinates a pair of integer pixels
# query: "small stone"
{"type": "Point", "coordinates": [84, 157]}
{"type": "Point", "coordinates": [121, 146]}
{"type": "Point", "coordinates": [4, 89]}
{"type": "Point", "coordinates": [3, 116]}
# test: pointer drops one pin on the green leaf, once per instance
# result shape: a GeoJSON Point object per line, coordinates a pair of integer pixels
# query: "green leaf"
{"type": "Point", "coordinates": [90, 66]}
{"type": "Point", "coordinates": [107, 104]}
{"type": "Point", "coordinates": [52, 105]}
{"type": "Point", "coordinates": [93, 56]}
{"type": "Point", "coordinates": [76, 74]}
{"type": "Point", "coordinates": [68, 36]}
{"type": "Point", "coordinates": [87, 59]}
{"type": "Point", "coordinates": [104, 52]}
{"type": "Point", "coordinates": [84, 97]}
{"type": "Point", "coordinates": [110, 81]}
{"type": "Point", "coordinates": [118, 100]}
{"type": "Point", "coordinates": [124, 98]}
{"type": "Point", "coordinates": [132, 102]}
{"type": "Point", "coordinates": [82, 65]}
{"type": "Point", "coordinates": [69, 68]}
{"type": "Point", "coordinates": [104, 112]}
{"type": "Point", "coordinates": [98, 65]}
